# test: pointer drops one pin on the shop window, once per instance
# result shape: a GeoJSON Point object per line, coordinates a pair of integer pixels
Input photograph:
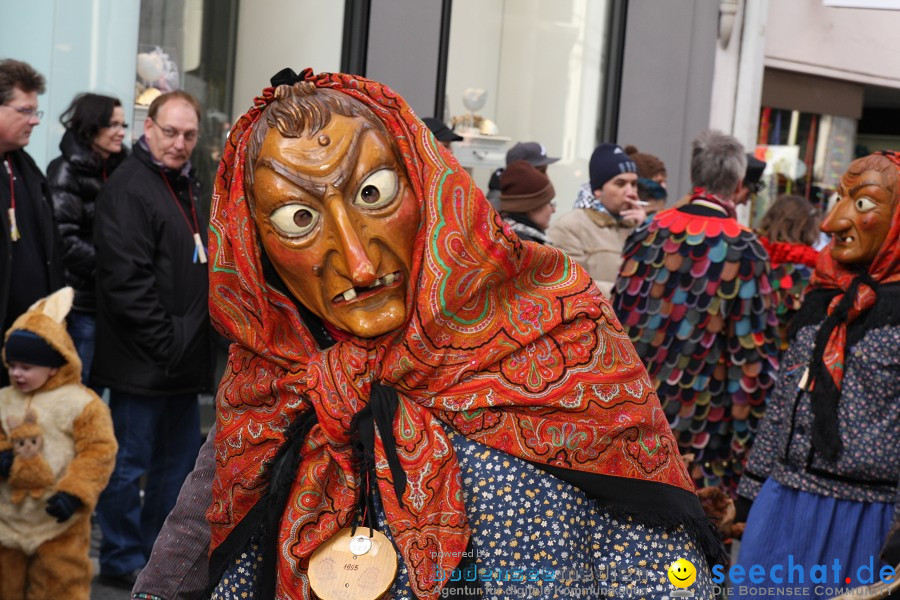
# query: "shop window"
{"type": "Point", "coordinates": [190, 45]}
{"type": "Point", "coordinates": [541, 65]}
{"type": "Point", "coordinates": [805, 154]}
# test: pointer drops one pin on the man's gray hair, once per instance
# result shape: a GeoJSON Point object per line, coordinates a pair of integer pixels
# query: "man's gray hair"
{"type": "Point", "coordinates": [718, 163]}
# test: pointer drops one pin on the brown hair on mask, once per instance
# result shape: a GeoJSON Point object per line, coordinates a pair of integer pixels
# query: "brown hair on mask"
{"type": "Point", "coordinates": [300, 109]}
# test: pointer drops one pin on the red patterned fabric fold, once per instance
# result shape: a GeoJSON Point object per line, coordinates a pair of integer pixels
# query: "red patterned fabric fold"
{"type": "Point", "coordinates": [790, 252]}
{"type": "Point", "coordinates": [508, 342]}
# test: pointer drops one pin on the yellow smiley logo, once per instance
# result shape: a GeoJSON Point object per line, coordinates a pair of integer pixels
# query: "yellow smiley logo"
{"type": "Point", "coordinates": [682, 573]}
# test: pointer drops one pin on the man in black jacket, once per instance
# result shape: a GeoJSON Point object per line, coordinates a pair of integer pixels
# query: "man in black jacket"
{"type": "Point", "coordinates": [30, 264]}
{"type": "Point", "coordinates": [153, 348]}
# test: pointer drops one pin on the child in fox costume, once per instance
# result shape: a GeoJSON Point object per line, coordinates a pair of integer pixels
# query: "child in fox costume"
{"type": "Point", "coordinates": [50, 424]}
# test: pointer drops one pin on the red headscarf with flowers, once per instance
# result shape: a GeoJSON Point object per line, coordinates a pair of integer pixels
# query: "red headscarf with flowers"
{"type": "Point", "coordinates": [508, 343]}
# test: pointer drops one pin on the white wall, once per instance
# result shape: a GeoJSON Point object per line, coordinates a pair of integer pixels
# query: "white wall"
{"type": "Point", "coordinates": [274, 34]}
{"type": "Point", "coordinates": [737, 86]}
{"type": "Point", "coordinates": [541, 64]}
{"type": "Point", "coordinates": [843, 43]}
{"type": "Point", "coordinates": [667, 81]}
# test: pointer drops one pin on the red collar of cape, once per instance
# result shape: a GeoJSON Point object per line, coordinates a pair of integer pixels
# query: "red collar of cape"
{"type": "Point", "coordinates": [509, 343]}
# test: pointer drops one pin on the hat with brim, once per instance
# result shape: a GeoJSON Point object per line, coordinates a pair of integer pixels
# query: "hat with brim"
{"type": "Point", "coordinates": [441, 132]}
{"type": "Point", "coordinates": [532, 152]}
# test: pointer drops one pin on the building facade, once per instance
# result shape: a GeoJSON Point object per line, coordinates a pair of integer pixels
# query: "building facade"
{"type": "Point", "coordinates": [566, 73]}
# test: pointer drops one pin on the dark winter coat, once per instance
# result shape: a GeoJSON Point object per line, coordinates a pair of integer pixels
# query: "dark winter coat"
{"type": "Point", "coordinates": [525, 228]}
{"type": "Point", "coordinates": [153, 334]}
{"type": "Point", "coordinates": [868, 467]}
{"type": "Point", "coordinates": [76, 179]}
{"type": "Point", "coordinates": [37, 188]}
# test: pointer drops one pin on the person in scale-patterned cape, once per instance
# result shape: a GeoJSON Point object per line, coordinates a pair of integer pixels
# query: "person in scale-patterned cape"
{"type": "Point", "coordinates": [695, 296]}
{"type": "Point", "coordinates": [402, 362]}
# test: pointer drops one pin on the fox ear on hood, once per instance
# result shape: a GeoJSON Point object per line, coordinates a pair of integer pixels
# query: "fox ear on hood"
{"type": "Point", "coordinates": [57, 305]}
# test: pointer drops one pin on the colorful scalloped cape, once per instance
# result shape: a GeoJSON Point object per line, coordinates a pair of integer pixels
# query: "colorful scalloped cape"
{"type": "Point", "coordinates": [695, 296]}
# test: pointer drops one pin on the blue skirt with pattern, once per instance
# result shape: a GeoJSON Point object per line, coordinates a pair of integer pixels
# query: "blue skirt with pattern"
{"type": "Point", "coordinates": [525, 521]}
{"type": "Point", "coordinates": [788, 527]}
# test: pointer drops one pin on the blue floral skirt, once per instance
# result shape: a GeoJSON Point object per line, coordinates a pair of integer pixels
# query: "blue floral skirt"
{"type": "Point", "coordinates": [526, 521]}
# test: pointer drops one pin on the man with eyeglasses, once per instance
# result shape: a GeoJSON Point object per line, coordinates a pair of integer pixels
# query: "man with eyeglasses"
{"type": "Point", "coordinates": [30, 263]}
{"type": "Point", "coordinates": [153, 338]}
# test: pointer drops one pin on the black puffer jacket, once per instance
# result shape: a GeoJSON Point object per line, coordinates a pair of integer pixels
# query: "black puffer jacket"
{"type": "Point", "coordinates": [153, 332]}
{"type": "Point", "coordinates": [76, 179]}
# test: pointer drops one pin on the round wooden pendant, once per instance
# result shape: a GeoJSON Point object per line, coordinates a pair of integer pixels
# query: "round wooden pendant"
{"type": "Point", "coordinates": [353, 567]}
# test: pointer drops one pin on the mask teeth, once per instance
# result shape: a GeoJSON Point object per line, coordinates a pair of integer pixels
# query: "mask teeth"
{"type": "Point", "coordinates": [350, 294]}
{"type": "Point", "coordinates": [388, 279]}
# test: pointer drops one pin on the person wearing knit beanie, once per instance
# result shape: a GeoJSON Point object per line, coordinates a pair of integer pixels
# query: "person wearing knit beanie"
{"type": "Point", "coordinates": [607, 210]}
{"type": "Point", "coordinates": [526, 196]}
{"type": "Point", "coordinates": [28, 347]}
{"type": "Point", "coordinates": [648, 165]}
{"type": "Point", "coordinates": [607, 161]}
{"type": "Point", "coordinates": [651, 179]}
{"type": "Point", "coordinates": [532, 152]}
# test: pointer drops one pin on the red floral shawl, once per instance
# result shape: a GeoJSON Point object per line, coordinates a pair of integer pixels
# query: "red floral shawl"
{"type": "Point", "coordinates": [508, 342]}
{"type": "Point", "coordinates": [858, 295]}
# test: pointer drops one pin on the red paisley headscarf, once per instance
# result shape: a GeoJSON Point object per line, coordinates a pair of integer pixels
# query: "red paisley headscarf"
{"type": "Point", "coordinates": [858, 294]}
{"type": "Point", "coordinates": [511, 344]}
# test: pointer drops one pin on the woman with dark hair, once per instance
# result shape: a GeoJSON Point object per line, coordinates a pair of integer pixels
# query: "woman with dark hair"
{"type": "Point", "coordinates": [91, 149]}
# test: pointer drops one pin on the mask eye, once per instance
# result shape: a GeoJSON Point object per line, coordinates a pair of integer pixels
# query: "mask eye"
{"type": "Point", "coordinates": [378, 190]}
{"type": "Point", "coordinates": [294, 220]}
{"type": "Point", "coordinates": [864, 204]}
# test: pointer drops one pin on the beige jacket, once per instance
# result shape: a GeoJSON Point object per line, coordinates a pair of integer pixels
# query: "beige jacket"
{"type": "Point", "coordinates": [594, 240]}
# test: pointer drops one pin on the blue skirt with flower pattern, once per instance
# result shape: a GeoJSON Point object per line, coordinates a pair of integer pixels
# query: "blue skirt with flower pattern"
{"type": "Point", "coordinates": [536, 536]}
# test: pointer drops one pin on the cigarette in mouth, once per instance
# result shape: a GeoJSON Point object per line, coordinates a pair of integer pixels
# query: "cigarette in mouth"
{"type": "Point", "coordinates": [642, 203]}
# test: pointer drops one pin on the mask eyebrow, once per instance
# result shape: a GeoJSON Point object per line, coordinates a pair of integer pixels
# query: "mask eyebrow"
{"type": "Point", "coordinates": [316, 185]}
{"type": "Point", "coordinates": [293, 176]}
{"type": "Point", "coordinates": [866, 184]}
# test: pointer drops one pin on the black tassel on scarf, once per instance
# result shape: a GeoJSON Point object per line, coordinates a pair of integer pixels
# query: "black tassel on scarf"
{"type": "Point", "coordinates": [283, 473]}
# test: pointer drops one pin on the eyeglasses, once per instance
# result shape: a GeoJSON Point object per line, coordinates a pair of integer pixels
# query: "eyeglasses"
{"type": "Point", "coordinates": [172, 133]}
{"type": "Point", "coordinates": [27, 111]}
{"type": "Point", "coordinates": [115, 125]}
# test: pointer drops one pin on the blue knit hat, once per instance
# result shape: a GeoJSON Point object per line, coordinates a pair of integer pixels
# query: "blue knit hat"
{"type": "Point", "coordinates": [607, 161]}
{"type": "Point", "coordinates": [27, 347]}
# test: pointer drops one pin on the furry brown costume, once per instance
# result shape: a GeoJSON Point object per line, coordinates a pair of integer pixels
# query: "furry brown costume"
{"type": "Point", "coordinates": [41, 557]}
{"type": "Point", "coordinates": [30, 473]}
